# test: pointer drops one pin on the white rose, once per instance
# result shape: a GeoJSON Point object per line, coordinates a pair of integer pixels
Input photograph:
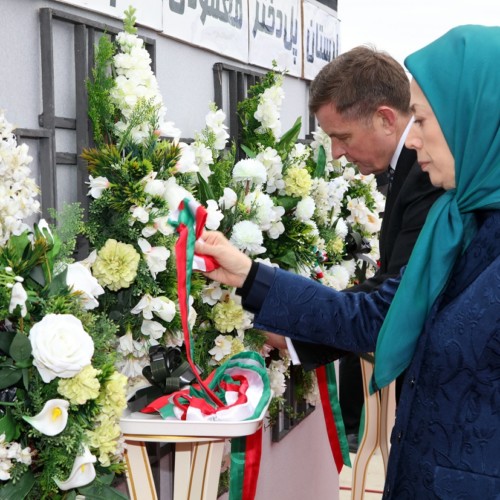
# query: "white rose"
{"type": "Point", "coordinates": [60, 345]}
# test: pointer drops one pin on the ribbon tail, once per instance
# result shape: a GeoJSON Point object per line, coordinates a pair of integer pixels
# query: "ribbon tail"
{"type": "Point", "coordinates": [245, 465]}
{"type": "Point", "coordinates": [327, 383]}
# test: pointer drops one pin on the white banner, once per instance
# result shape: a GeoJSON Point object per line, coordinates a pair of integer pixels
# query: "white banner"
{"type": "Point", "coordinates": [218, 25]}
{"type": "Point", "coordinates": [148, 12]}
{"type": "Point", "coordinates": [275, 33]}
{"type": "Point", "coordinates": [321, 38]}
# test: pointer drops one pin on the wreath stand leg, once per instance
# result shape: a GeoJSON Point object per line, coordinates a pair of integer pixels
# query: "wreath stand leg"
{"type": "Point", "coordinates": [380, 411]}
{"type": "Point", "coordinates": [196, 473]}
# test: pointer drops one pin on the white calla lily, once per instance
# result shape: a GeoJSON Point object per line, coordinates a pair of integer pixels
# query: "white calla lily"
{"type": "Point", "coordinates": [52, 419]}
{"type": "Point", "coordinates": [82, 473]}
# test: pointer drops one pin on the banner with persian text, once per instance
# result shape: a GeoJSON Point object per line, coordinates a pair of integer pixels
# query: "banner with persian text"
{"type": "Point", "coordinates": [321, 37]}
{"type": "Point", "coordinates": [276, 34]}
{"type": "Point", "coordinates": [221, 26]}
{"type": "Point", "coordinates": [148, 12]}
{"type": "Point", "coordinates": [300, 35]}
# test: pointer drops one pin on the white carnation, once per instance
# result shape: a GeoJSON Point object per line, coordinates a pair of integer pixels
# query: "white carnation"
{"type": "Point", "coordinates": [250, 170]}
{"type": "Point", "coordinates": [305, 209]}
{"type": "Point", "coordinates": [248, 237]}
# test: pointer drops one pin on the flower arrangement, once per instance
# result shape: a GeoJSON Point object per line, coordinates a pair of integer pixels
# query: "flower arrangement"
{"type": "Point", "coordinates": [60, 396]}
{"type": "Point", "coordinates": [286, 204]}
{"type": "Point", "coordinates": [136, 180]}
{"type": "Point", "coordinates": [281, 201]}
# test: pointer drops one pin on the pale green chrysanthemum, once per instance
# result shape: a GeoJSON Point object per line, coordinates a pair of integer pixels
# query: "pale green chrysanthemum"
{"type": "Point", "coordinates": [82, 387]}
{"type": "Point", "coordinates": [335, 246]}
{"type": "Point", "coordinates": [228, 316]}
{"type": "Point", "coordinates": [104, 438]}
{"type": "Point", "coordinates": [298, 182]}
{"type": "Point", "coordinates": [116, 265]}
{"type": "Point", "coordinates": [113, 399]}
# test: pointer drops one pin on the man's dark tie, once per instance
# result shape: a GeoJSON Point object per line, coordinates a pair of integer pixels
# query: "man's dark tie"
{"type": "Point", "coordinates": [390, 178]}
{"type": "Point", "coordinates": [384, 180]}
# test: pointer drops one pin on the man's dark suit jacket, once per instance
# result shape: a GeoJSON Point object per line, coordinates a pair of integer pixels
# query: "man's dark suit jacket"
{"type": "Point", "coordinates": [410, 199]}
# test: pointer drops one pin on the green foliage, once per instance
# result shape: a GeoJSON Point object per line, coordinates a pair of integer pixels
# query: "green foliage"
{"type": "Point", "coordinates": [223, 483]}
{"type": "Point", "coordinates": [246, 112]}
{"type": "Point", "coordinates": [69, 222]}
{"type": "Point", "coordinates": [289, 138]}
{"type": "Point", "coordinates": [321, 163]}
{"type": "Point", "coordinates": [20, 486]}
{"type": "Point", "coordinates": [129, 21]}
{"type": "Point", "coordinates": [101, 109]}
{"type": "Point", "coordinates": [145, 111]}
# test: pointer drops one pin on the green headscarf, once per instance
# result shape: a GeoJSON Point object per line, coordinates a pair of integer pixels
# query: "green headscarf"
{"type": "Point", "coordinates": [460, 76]}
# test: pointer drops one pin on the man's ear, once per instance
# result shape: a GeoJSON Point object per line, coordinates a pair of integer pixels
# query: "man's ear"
{"type": "Point", "coordinates": [387, 118]}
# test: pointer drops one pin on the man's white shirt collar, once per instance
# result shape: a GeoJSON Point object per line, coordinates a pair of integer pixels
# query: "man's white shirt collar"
{"type": "Point", "coordinates": [402, 140]}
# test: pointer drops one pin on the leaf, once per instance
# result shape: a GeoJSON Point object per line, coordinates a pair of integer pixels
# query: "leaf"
{"type": "Point", "coordinates": [20, 490]}
{"type": "Point", "coordinates": [26, 378]}
{"type": "Point", "coordinates": [5, 341]}
{"type": "Point", "coordinates": [290, 137]}
{"type": "Point", "coordinates": [99, 491]}
{"type": "Point", "coordinates": [106, 478]}
{"type": "Point", "coordinates": [20, 349]}
{"type": "Point", "coordinates": [248, 151]}
{"type": "Point", "coordinates": [9, 376]}
{"type": "Point", "coordinates": [204, 190]}
{"type": "Point", "coordinates": [58, 284]}
{"type": "Point", "coordinates": [289, 259]}
{"type": "Point", "coordinates": [321, 163]}
{"type": "Point", "coordinates": [18, 244]}
{"type": "Point", "coordinates": [8, 426]}
{"type": "Point", "coordinates": [287, 202]}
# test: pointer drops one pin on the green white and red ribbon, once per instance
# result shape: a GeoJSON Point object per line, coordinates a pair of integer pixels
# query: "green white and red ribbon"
{"type": "Point", "coordinates": [327, 383]}
{"type": "Point", "coordinates": [237, 390]}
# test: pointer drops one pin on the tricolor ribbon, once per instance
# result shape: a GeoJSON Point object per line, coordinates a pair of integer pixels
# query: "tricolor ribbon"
{"type": "Point", "coordinates": [327, 383]}
{"type": "Point", "coordinates": [237, 390]}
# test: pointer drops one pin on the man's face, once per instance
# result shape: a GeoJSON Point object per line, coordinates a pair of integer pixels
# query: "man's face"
{"type": "Point", "coordinates": [367, 142]}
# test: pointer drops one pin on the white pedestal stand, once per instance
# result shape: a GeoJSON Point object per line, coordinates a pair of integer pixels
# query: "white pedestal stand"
{"type": "Point", "coordinates": [199, 448]}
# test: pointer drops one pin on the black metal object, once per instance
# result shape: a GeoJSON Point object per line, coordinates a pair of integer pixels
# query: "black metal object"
{"type": "Point", "coordinates": [231, 85]}
{"type": "Point", "coordinates": [295, 409]}
{"type": "Point", "coordinates": [47, 181]}
{"type": "Point", "coordinates": [330, 3]}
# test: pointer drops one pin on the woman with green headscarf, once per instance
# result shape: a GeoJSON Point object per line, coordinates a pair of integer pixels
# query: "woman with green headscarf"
{"type": "Point", "coordinates": [441, 320]}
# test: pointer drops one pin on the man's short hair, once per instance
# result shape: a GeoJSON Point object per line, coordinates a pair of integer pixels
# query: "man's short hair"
{"type": "Point", "coordinates": [359, 81]}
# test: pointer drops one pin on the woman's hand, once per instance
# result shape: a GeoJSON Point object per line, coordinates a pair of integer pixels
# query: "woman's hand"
{"type": "Point", "coordinates": [234, 264]}
{"type": "Point", "coordinates": [276, 341]}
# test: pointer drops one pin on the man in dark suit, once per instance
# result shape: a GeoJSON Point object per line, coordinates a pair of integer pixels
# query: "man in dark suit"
{"type": "Point", "coordinates": [361, 100]}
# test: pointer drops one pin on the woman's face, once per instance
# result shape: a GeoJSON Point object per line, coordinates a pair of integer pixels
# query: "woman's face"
{"type": "Point", "coordinates": [426, 137]}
